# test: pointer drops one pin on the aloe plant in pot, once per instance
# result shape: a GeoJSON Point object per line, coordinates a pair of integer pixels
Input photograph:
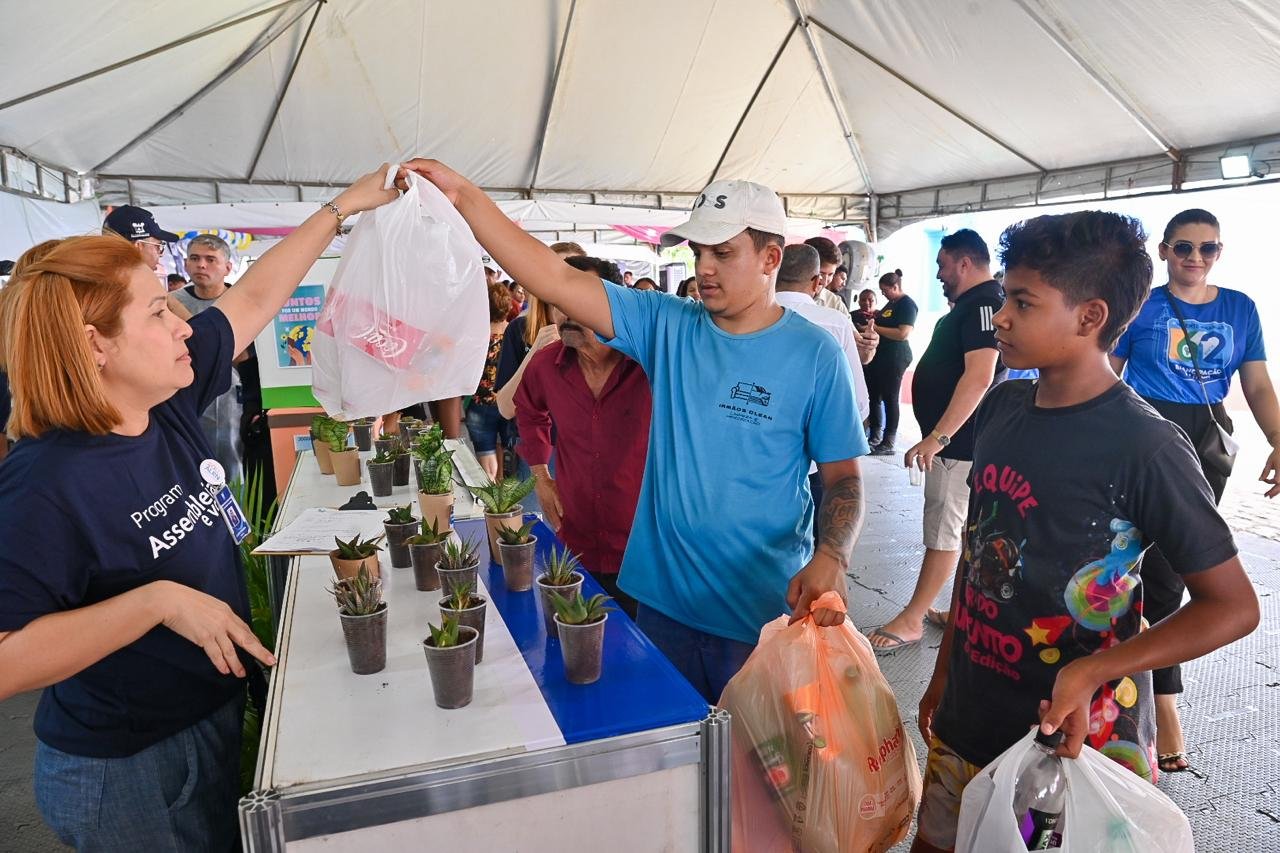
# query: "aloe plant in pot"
{"type": "Point", "coordinates": [561, 576]}
{"type": "Point", "coordinates": [468, 608]}
{"type": "Point", "coordinates": [363, 428]}
{"type": "Point", "coordinates": [451, 660]}
{"type": "Point", "coordinates": [434, 466]}
{"type": "Point", "coordinates": [350, 557]}
{"type": "Point", "coordinates": [502, 508]}
{"type": "Point", "coordinates": [345, 460]}
{"type": "Point", "coordinates": [381, 474]}
{"type": "Point", "coordinates": [386, 441]}
{"type": "Point", "coordinates": [581, 627]}
{"type": "Point", "coordinates": [364, 621]}
{"type": "Point", "coordinates": [320, 445]}
{"type": "Point", "coordinates": [425, 551]}
{"type": "Point", "coordinates": [517, 547]}
{"type": "Point", "coordinates": [458, 563]}
{"type": "Point", "coordinates": [400, 525]}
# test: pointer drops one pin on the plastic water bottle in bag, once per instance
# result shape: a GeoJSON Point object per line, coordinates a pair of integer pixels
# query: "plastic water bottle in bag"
{"type": "Point", "coordinates": [1040, 794]}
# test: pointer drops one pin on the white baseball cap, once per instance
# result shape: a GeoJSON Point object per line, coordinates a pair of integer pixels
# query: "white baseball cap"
{"type": "Point", "coordinates": [727, 208]}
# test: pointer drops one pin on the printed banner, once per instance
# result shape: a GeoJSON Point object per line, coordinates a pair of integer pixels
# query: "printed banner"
{"type": "Point", "coordinates": [295, 326]}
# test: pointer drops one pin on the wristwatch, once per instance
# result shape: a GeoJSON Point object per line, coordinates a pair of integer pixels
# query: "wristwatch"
{"type": "Point", "coordinates": [941, 438]}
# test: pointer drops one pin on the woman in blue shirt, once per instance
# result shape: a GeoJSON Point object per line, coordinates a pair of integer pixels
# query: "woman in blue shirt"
{"type": "Point", "coordinates": [121, 592]}
{"type": "Point", "coordinates": [1221, 328]}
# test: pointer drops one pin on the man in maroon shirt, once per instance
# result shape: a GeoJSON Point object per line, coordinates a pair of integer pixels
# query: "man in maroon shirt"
{"type": "Point", "coordinates": [599, 403]}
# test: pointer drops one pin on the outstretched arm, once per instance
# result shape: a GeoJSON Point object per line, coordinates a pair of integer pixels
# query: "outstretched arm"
{"type": "Point", "coordinates": [578, 294]}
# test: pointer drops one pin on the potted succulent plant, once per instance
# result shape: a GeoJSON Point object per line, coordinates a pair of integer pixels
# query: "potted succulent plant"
{"type": "Point", "coordinates": [409, 428]}
{"type": "Point", "coordinates": [581, 627]}
{"type": "Point", "coordinates": [364, 621]}
{"type": "Point", "coordinates": [502, 508]}
{"type": "Point", "coordinates": [349, 557]}
{"type": "Point", "coordinates": [458, 563]}
{"type": "Point", "coordinates": [451, 660]}
{"type": "Point", "coordinates": [425, 550]}
{"type": "Point", "coordinates": [386, 441]}
{"type": "Point", "coordinates": [363, 428]}
{"type": "Point", "coordinates": [320, 445]}
{"type": "Point", "coordinates": [345, 460]}
{"type": "Point", "coordinates": [468, 608]}
{"type": "Point", "coordinates": [400, 525]}
{"type": "Point", "coordinates": [381, 474]}
{"type": "Point", "coordinates": [400, 471]}
{"type": "Point", "coordinates": [517, 556]}
{"type": "Point", "coordinates": [561, 576]}
{"type": "Point", "coordinates": [434, 465]}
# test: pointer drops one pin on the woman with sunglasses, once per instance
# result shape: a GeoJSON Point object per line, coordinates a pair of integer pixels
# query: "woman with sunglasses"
{"type": "Point", "coordinates": [1180, 353]}
{"type": "Point", "coordinates": [121, 590]}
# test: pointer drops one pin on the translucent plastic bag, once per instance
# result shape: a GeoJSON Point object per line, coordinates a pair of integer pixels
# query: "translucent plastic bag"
{"type": "Point", "coordinates": [1107, 808]}
{"type": "Point", "coordinates": [821, 762]}
{"type": "Point", "coordinates": [406, 318]}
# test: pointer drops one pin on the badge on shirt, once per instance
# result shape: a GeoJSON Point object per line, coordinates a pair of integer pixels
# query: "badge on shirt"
{"type": "Point", "coordinates": [215, 479]}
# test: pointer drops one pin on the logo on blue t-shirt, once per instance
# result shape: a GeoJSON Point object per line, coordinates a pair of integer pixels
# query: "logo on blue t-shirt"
{"type": "Point", "coordinates": [1213, 344]}
{"type": "Point", "coordinates": [751, 392]}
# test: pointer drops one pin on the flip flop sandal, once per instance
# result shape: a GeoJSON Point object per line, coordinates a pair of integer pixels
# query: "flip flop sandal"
{"type": "Point", "coordinates": [1173, 762]}
{"type": "Point", "coordinates": [937, 618]}
{"type": "Point", "coordinates": [897, 642]}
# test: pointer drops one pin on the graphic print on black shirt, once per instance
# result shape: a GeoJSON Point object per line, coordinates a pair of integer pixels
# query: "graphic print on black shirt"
{"type": "Point", "coordinates": [1058, 522]}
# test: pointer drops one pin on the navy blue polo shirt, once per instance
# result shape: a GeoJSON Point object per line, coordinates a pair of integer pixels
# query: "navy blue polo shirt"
{"type": "Point", "coordinates": [84, 518]}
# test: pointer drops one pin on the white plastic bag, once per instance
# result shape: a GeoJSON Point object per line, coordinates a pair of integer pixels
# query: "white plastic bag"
{"type": "Point", "coordinates": [1107, 808]}
{"type": "Point", "coordinates": [406, 318]}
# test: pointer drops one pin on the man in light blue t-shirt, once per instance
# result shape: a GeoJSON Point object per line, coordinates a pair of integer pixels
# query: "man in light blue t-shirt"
{"type": "Point", "coordinates": [745, 395]}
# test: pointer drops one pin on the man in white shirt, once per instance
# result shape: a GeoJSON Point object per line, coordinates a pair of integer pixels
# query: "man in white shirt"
{"type": "Point", "coordinates": [799, 280]}
{"type": "Point", "coordinates": [828, 261]}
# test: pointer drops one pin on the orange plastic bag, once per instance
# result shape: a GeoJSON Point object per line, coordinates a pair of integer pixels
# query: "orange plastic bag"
{"type": "Point", "coordinates": [821, 762]}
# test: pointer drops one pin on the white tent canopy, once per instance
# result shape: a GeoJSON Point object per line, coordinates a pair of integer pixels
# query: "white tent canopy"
{"type": "Point", "coordinates": [852, 109]}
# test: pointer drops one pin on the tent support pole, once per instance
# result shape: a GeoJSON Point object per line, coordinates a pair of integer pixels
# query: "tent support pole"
{"type": "Point", "coordinates": [551, 98]}
{"type": "Point", "coordinates": [264, 41]}
{"type": "Point", "coordinates": [1125, 103]}
{"type": "Point", "coordinates": [803, 20]}
{"type": "Point", "coordinates": [752, 101]}
{"type": "Point", "coordinates": [925, 94]}
{"type": "Point", "coordinates": [141, 56]}
{"type": "Point", "coordinates": [284, 90]}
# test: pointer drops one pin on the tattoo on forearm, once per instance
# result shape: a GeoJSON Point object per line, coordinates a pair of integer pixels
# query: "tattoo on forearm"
{"type": "Point", "coordinates": [841, 516]}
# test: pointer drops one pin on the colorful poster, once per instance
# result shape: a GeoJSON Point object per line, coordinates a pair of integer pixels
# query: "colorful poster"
{"type": "Point", "coordinates": [295, 326]}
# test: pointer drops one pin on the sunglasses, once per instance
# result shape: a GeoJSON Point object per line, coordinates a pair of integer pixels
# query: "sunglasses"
{"type": "Point", "coordinates": [1182, 249]}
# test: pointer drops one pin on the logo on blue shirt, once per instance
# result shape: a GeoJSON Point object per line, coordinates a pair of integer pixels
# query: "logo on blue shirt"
{"type": "Point", "coordinates": [1212, 342]}
{"type": "Point", "coordinates": [751, 393]}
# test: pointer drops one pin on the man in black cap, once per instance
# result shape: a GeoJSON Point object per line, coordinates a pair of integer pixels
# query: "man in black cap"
{"type": "Point", "coordinates": [139, 227]}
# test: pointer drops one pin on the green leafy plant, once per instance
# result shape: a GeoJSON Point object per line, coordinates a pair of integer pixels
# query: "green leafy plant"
{"type": "Point", "coordinates": [503, 497]}
{"type": "Point", "coordinates": [358, 548]}
{"type": "Point", "coordinates": [575, 610]}
{"type": "Point", "coordinates": [517, 537]}
{"type": "Point", "coordinates": [446, 636]}
{"type": "Point", "coordinates": [383, 459]}
{"type": "Point", "coordinates": [387, 436]}
{"type": "Point", "coordinates": [560, 567]}
{"type": "Point", "coordinates": [435, 463]}
{"type": "Point", "coordinates": [430, 535]}
{"type": "Point", "coordinates": [460, 554]}
{"type": "Point", "coordinates": [462, 597]}
{"type": "Point", "coordinates": [400, 514]}
{"type": "Point", "coordinates": [317, 424]}
{"type": "Point", "coordinates": [357, 596]}
{"type": "Point", "coordinates": [334, 433]}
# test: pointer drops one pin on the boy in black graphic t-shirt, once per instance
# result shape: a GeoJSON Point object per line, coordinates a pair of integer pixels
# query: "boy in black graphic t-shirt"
{"type": "Point", "coordinates": [1074, 477]}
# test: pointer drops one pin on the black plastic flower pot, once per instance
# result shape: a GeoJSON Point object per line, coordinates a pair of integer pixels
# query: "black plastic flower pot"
{"type": "Point", "coordinates": [517, 564]}
{"type": "Point", "coordinates": [398, 536]}
{"type": "Point", "coordinates": [453, 669]}
{"type": "Point", "coordinates": [366, 638]}
{"type": "Point", "coordinates": [364, 435]}
{"type": "Point", "coordinates": [449, 578]}
{"type": "Point", "coordinates": [582, 648]}
{"type": "Point", "coordinates": [424, 559]}
{"type": "Point", "coordinates": [472, 617]}
{"type": "Point", "coordinates": [384, 445]}
{"type": "Point", "coordinates": [548, 609]}
{"type": "Point", "coordinates": [402, 469]}
{"type": "Point", "coordinates": [380, 477]}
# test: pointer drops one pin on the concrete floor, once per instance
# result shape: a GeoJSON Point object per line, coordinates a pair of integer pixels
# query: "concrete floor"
{"type": "Point", "coordinates": [1231, 710]}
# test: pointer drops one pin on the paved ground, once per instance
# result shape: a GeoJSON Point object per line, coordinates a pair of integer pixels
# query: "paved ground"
{"type": "Point", "coordinates": [1231, 710]}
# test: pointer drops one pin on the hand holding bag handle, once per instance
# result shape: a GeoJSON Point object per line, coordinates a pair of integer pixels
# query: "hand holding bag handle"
{"type": "Point", "coordinates": [1216, 447]}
